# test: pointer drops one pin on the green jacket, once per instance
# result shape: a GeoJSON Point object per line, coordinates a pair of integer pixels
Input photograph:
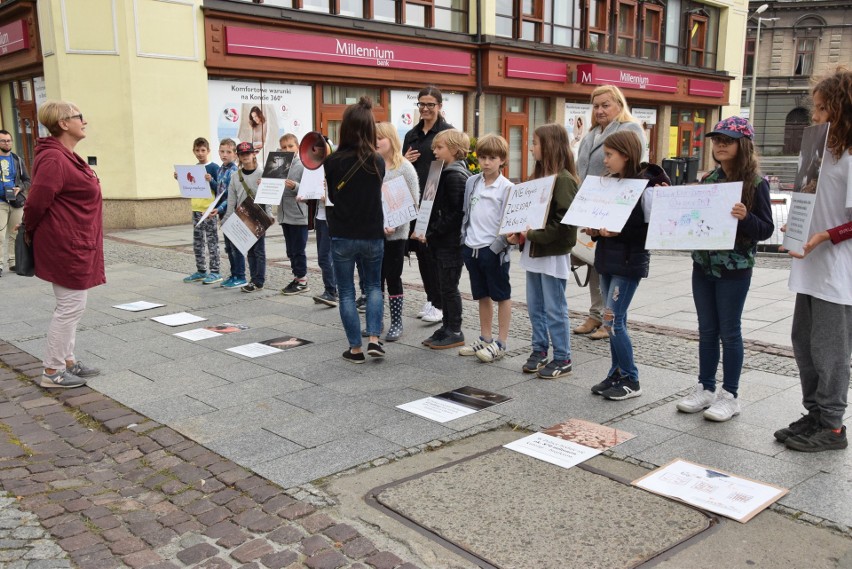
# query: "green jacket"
{"type": "Point", "coordinates": [556, 238]}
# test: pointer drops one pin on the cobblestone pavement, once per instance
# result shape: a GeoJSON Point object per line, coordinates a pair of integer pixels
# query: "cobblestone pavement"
{"type": "Point", "coordinates": [114, 489]}
{"type": "Point", "coordinates": [90, 483]}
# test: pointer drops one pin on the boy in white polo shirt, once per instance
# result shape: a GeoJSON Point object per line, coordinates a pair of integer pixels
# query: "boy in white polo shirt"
{"type": "Point", "coordinates": [485, 251]}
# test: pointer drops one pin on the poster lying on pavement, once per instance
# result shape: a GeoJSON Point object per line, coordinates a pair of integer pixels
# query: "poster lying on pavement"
{"type": "Point", "coordinates": [178, 319]}
{"type": "Point", "coordinates": [138, 306]}
{"type": "Point", "coordinates": [713, 490]}
{"type": "Point", "coordinates": [569, 443]}
{"type": "Point", "coordinates": [453, 404]}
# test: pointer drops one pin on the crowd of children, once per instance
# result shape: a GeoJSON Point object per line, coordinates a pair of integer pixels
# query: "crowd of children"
{"type": "Point", "coordinates": [464, 231]}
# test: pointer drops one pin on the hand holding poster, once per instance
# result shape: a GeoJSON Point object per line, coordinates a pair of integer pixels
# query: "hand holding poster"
{"type": "Point", "coordinates": [527, 205]}
{"type": "Point", "coordinates": [397, 203]}
{"type": "Point", "coordinates": [604, 202]}
{"type": "Point", "coordinates": [210, 209]}
{"type": "Point", "coordinates": [248, 224]}
{"type": "Point", "coordinates": [694, 217]}
{"type": "Point", "coordinates": [192, 183]}
{"type": "Point", "coordinates": [312, 185]}
{"type": "Point", "coordinates": [805, 187]}
{"type": "Point", "coordinates": [428, 199]}
{"type": "Point", "coordinates": [274, 178]}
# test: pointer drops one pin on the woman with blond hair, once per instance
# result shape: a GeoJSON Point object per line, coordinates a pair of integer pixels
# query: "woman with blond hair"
{"type": "Point", "coordinates": [396, 166]}
{"type": "Point", "coordinates": [609, 114]}
{"type": "Point", "coordinates": [64, 223]}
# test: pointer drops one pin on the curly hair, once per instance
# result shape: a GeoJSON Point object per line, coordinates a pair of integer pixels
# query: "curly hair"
{"type": "Point", "coordinates": [836, 94]}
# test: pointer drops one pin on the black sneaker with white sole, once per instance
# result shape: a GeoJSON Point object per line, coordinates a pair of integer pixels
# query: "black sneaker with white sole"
{"type": "Point", "coordinates": [554, 369]}
{"type": "Point", "coordinates": [535, 362]}
{"type": "Point", "coordinates": [622, 389]}
{"type": "Point", "coordinates": [610, 380]}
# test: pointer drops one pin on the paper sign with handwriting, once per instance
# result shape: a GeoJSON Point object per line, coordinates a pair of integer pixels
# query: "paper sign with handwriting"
{"type": "Point", "coordinates": [527, 205]}
{"type": "Point", "coordinates": [604, 202]}
{"type": "Point", "coordinates": [694, 217]}
{"type": "Point", "coordinates": [398, 205]}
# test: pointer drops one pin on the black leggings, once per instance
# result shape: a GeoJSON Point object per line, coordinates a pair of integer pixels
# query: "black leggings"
{"type": "Point", "coordinates": [392, 264]}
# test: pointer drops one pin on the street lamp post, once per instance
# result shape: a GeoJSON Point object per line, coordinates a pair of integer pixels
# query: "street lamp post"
{"type": "Point", "coordinates": [753, 97]}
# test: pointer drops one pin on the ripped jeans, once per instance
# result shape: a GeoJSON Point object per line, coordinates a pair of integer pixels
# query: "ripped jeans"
{"type": "Point", "coordinates": [617, 293]}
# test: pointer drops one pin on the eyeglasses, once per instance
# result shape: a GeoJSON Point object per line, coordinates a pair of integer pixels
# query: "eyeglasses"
{"type": "Point", "coordinates": [74, 117]}
{"type": "Point", "coordinates": [429, 106]}
{"type": "Point", "coordinates": [6, 141]}
{"type": "Point", "coordinates": [722, 140]}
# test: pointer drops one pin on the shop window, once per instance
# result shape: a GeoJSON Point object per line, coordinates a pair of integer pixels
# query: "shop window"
{"type": "Point", "coordinates": [652, 31]}
{"type": "Point", "coordinates": [493, 116]}
{"type": "Point", "coordinates": [345, 95]}
{"type": "Point", "coordinates": [804, 62]}
{"type": "Point", "coordinates": [748, 62]}
{"type": "Point", "coordinates": [597, 25]}
{"type": "Point", "coordinates": [625, 28]}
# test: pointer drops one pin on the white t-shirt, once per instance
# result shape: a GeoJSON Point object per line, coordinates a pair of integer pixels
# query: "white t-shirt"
{"type": "Point", "coordinates": [486, 211]}
{"type": "Point", "coordinates": [558, 266]}
{"type": "Point", "coordinates": [826, 273]}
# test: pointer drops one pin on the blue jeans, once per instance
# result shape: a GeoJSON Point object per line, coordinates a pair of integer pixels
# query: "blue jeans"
{"type": "Point", "coordinates": [257, 261]}
{"type": "Point", "coordinates": [369, 253]}
{"type": "Point", "coordinates": [548, 311]}
{"type": "Point", "coordinates": [324, 256]}
{"type": "Point", "coordinates": [719, 305]}
{"type": "Point", "coordinates": [295, 241]}
{"type": "Point", "coordinates": [236, 260]}
{"type": "Point", "coordinates": [617, 292]}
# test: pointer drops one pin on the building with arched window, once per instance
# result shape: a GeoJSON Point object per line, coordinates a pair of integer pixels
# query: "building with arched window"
{"type": "Point", "coordinates": [804, 40]}
{"type": "Point", "coordinates": [151, 75]}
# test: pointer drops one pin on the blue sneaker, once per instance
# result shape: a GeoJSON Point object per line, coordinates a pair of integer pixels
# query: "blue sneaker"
{"type": "Point", "coordinates": [227, 282]}
{"type": "Point", "coordinates": [212, 278]}
{"type": "Point", "coordinates": [195, 277]}
{"type": "Point", "coordinates": [234, 283]}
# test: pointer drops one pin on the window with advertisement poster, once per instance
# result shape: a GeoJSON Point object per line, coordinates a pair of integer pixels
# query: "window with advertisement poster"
{"type": "Point", "coordinates": [647, 117]}
{"type": "Point", "coordinates": [404, 113]}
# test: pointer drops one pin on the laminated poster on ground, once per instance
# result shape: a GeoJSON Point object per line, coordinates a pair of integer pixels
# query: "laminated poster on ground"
{"type": "Point", "coordinates": [716, 491]}
{"type": "Point", "coordinates": [453, 404]}
{"type": "Point", "coordinates": [569, 443]}
{"type": "Point", "coordinates": [137, 306]}
{"type": "Point", "coordinates": [178, 319]}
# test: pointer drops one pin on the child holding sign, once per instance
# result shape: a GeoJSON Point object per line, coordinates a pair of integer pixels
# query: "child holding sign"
{"type": "Point", "coordinates": [485, 251]}
{"type": "Point", "coordinates": [822, 318]}
{"type": "Point", "coordinates": [622, 261]}
{"type": "Point", "coordinates": [721, 279]}
{"type": "Point", "coordinates": [396, 166]}
{"type": "Point", "coordinates": [545, 254]}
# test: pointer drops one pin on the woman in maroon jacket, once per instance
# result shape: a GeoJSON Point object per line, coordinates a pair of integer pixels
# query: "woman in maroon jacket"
{"type": "Point", "coordinates": [64, 222]}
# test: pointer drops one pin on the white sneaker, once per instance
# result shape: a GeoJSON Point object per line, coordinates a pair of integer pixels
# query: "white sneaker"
{"type": "Point", "coordinates": [426, 308]}
{"type": "Point", "coordinates": [699, 399]}
{"type": "Point", "coordinates": [491, 352]}
{"type": "Point", "coordinates": [434, 315]}
{"type": "Point", "coordinates": [471, 349]}
{"type": "Point", "coordinates": [725, 407]}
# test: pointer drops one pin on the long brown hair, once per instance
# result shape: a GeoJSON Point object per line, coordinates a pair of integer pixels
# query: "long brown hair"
{"type": "Point", "coordinates": [626, 143]}
{"type": "Point", "coordinates": [836, 93]}
{"type": "Point", "coordinates": [746, 169]}
{"type": "Point", "coordinates": [358, 132]}
{"type": "Point", "coordinates": [555, 153]}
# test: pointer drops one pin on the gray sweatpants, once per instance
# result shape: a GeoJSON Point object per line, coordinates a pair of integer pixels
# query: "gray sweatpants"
{"type": "Point", "coordinates": [822, 344]}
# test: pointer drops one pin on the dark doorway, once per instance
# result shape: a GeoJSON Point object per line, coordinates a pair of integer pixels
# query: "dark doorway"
{"type": "Point", "coordinates": [797, 120]}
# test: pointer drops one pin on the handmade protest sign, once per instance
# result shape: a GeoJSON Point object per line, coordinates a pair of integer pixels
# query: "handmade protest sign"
{"type": "Point", "coordinates": [312, 184]}
{"type": "Point", "coordinates": [192, 183]}
{"type": "Point", "coordinates": [248, 224]}
{"type": "Point", "coordinates": [397, 203]}
{"type": "Point", "coordinates": [604, 202]}
{"type": "Point", "coordinates": [527, 205]}
{"type": "Point", "coordinates": [694, 217]}
{"type": "Point", "coordinates": [805, 187]}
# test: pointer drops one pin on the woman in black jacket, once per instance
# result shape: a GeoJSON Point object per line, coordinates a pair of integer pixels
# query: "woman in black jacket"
{"type": "Point", "coordinates": [622, 261]}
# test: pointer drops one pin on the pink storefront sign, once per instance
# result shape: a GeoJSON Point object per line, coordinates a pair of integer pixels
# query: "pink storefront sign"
{"type": "Point", "coordinates": [593, 74]}
{"type": "Point", "coordinates": [703, 88]}
{"type": "Point", "coordinates": [347, 51]}
{"type": "Point", "coordinates": [536, 69]}
{"type": "Point", "coordinates": [14, 37]}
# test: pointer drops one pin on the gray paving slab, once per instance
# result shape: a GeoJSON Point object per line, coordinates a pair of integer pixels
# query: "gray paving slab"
{"type": "Point", "coordinates": [253, 447]}
{"type": "Point", "coordinates": [250, 390]}
{"type": "Point", "coordinates": [825, 495]}
{"type": "Point", "coordinates": [238, 419]}
{"type": "Point", "coordinates": [740, 434]}
{"type": "Point", "coordinates": [305, 466]}
{"type": "Point", "coordinates": [173, 408]}
{"type": "Point", "coordinates": [411, 431]}
{"type": "Point", "coordinates": [647, 436]}
{"type": "Point", "coordinates": [727, 458]}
